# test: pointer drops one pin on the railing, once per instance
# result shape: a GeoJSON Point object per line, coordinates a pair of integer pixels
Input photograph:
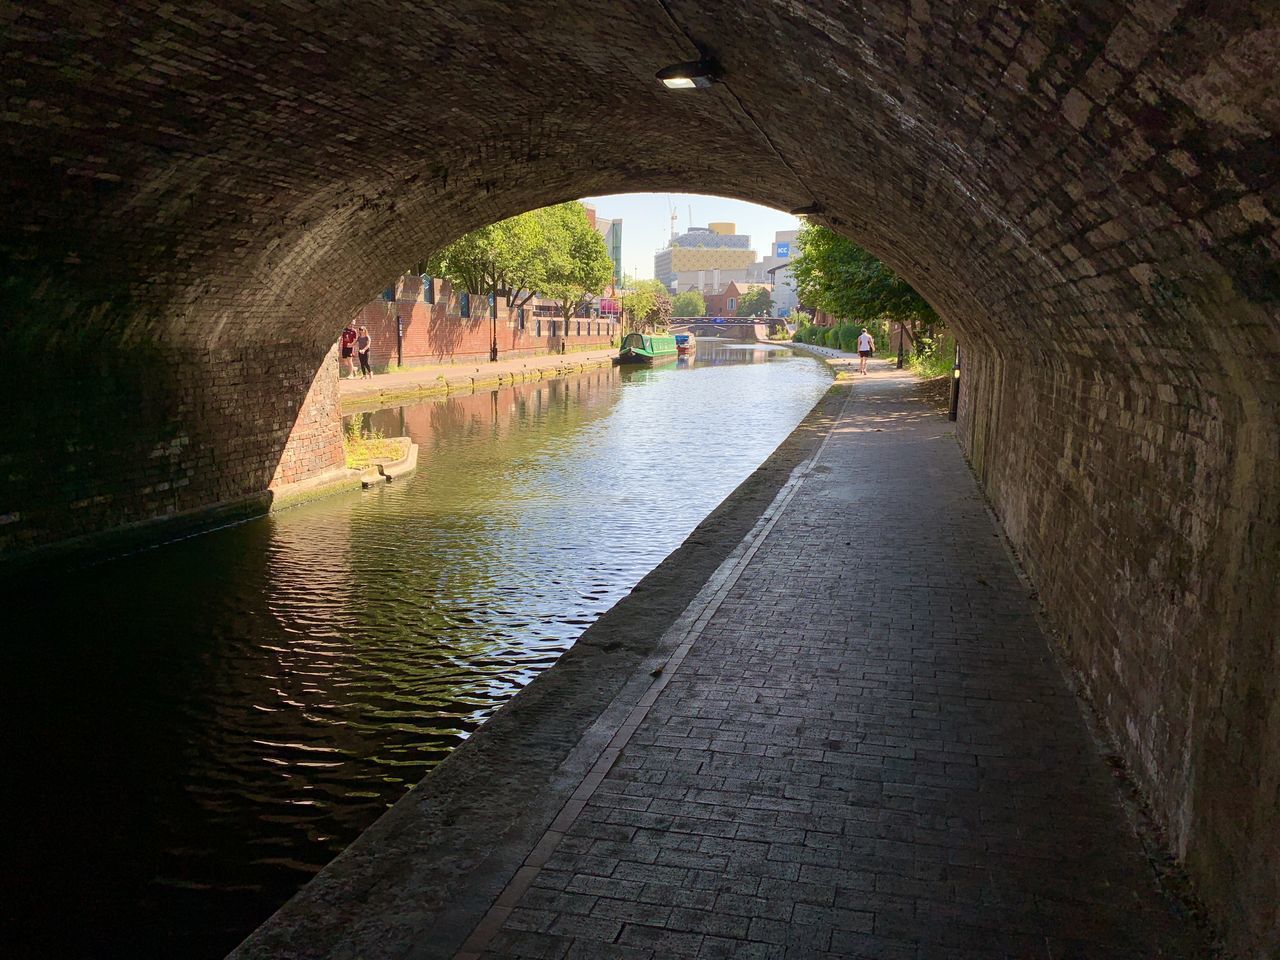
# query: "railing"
{"type": "Point", "coordinates": [726, 321]}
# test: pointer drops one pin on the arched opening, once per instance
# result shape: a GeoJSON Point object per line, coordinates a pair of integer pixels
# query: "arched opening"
{"type": "Point", "coordinates": [1088, 196]}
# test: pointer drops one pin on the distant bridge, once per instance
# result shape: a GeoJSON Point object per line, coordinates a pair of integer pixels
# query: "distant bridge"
{"type": "Point", "coordinates": [734, 328]}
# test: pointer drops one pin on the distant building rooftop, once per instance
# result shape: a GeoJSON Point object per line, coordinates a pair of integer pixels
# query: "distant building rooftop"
{"type": "Point", "coordinates": [711, 239]}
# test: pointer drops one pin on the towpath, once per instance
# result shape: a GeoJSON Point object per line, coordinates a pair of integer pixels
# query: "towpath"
{"type": "Point", "coordinates": [861, 747]}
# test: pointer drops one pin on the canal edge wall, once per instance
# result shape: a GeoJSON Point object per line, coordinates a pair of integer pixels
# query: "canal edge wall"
{"type": "Point", "coordinates": [557, 365]}
{"type": "Point", "coordinates": [435, 863]}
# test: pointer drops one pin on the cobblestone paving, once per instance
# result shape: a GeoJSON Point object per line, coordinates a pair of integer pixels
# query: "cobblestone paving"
{"type": "Point", "coordinates": [868, 752]}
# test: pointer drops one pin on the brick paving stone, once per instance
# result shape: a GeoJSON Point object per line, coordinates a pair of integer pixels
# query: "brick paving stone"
{"type": "Point", "coordinates": [868, 751]}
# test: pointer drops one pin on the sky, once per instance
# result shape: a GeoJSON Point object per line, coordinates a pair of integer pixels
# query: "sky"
{"type": "Point", "coordinates": [646, 222]}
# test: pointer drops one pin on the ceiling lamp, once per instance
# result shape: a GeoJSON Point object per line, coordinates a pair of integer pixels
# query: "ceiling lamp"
{"type": "Point", "coordinates": [691, 75]}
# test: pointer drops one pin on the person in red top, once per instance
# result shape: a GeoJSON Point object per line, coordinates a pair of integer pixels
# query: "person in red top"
{"type": "Point", "coordinates": [348, 352]}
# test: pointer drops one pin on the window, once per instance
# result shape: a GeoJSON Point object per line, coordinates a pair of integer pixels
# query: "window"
{"type": "Point", "coordinates": [389, 294]}
{"type": "Point", "coordinates": [537, 325]}
{"type": "Point", "coordinates": [579, 328]}
{"type": "Point", "coordinates": [428, 289]}
{"type": "Point", "coordinates": [464, 305]}
{"type": "Point", "coordinates": [520, 316]}
{"type": "Point", "coordinates": [732, 305]}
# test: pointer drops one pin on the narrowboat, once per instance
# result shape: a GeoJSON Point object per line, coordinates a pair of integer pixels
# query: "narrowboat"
{"type": "Point", "coordinates": [646, 348]}
{"type": "Point", "coordinates": [684, 344]}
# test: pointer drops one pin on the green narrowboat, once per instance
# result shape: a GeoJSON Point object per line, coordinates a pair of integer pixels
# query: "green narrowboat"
{"type": "Point", "coordinates": [646, 348]}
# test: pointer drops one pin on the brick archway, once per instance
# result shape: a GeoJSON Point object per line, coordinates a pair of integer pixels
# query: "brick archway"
{"type": "Point", "coordinates": [197, 201]}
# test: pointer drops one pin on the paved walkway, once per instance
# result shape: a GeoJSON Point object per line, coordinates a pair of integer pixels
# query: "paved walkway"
{"type": "Point", "coordinates": [862, 748]}
{"type": "Point", "coordinates": [466, 376]}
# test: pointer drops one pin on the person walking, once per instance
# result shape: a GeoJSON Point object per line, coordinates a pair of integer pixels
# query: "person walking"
{"type": "Point", "coordinates": [348, 352]}
{"type": "Point", "coordinates": [866, 347]}
{"type": "Point", "coordinates": [362, 350]}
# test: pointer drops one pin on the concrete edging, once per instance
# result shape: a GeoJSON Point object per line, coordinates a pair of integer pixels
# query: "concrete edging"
{"type": "Point", "coordinates": [404, 466]}
{"type": "Point", "coordinates": [337, 480]}
{"type": "Point", "coordinates": [442, 386]}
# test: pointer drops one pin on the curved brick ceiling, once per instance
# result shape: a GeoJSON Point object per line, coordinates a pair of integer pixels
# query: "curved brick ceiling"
{"type": "Point", "coordinates": [1086, 190]}
{"type": "Point", "coordinates": [203, 168]}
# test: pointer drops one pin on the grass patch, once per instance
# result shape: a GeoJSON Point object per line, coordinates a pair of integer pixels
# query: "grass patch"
{"type": "Point", "coordinates": [363, 450]}
{"type": "Point", "coordinates": [935, 358]}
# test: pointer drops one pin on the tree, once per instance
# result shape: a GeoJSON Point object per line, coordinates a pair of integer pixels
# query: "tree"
{"type": "Point", "coordinates": [756, 301]}
{"type": "Point", "coordinates": [648, 305]}
{"type": "Point", "coordinates": [689, 304]}
{"type": "Point", "coordinates": [576, 267]}
{"type": "Point", "coordinates": [836, 275]}
{"type": "Point", "coordinates": [505, 256]}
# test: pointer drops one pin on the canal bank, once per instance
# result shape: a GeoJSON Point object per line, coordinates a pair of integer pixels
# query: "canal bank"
{"type": "Point", "coordinates": [430, 868]}
{"type": "Point", "coordinates": [425, 382]}
{"type": "Point", "coordinates": [249, 701]}
{"type": "Point", "coordinates": [854, 740]}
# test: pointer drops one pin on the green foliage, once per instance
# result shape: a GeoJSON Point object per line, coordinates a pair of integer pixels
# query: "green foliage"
{"type": "Point", "coordinates": [756, 301]}
{"type": "Point", "coordinates": [689, 304]}
{"type": "Point", "coordinates": [805, 332]}
{"type": "Point", "coordinates": [509, 255]}
{"type": "Point", "coordinates": [838, 276]}
{"type": "Point", "coordinates": [935, 357]}
{"type": "Point", "coordinates": [363, 447]}
{"type": "Point", "coordinates": [553, 251]}
{"type": "Point", "coordinates": [577, 265]}
{"type": "Point", "coordinates": [648, 305]}
{"type": "Point", "coordinates": [843, 336]}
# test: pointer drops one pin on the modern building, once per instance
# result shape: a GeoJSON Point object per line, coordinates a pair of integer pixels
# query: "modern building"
{"type": "Point", "coordinates": [775, 269]}
{"type": "Point", "coordinates": [704, 258]}
{"type": "Point", "coordinates": [611, 230]}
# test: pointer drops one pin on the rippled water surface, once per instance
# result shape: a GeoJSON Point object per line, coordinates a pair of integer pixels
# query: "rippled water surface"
{"type": "Point", "coordinates": [195, 730]}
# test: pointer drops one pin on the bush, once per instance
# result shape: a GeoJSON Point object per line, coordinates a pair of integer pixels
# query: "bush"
{"type": "Point", "coordinates": [936, 356]}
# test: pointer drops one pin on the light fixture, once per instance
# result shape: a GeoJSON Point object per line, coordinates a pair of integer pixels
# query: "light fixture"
{"type": "Point", "coordinates": [690, 75]}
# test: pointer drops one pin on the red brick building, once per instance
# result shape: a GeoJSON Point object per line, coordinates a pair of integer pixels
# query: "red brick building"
{"type": "Point", "coordinates": [423, 320]}
{"type": "Point", "coordinates": [725, 303]}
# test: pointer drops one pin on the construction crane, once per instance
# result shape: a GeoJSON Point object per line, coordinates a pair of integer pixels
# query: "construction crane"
{"type": "Point", "coordinates": [674, 216]}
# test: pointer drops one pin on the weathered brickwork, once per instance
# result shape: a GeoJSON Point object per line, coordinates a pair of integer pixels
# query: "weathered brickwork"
{"type": "Point", "coordinates": [156, 433]}
{"type": "Point", "coordinates": [1147, 518]}
{"type": "Point", "coordinates": [437, 332]}
{"type": "Point", "coordinates": [197, 199]}
{"type": "Point", "coordinates": [314, 442]}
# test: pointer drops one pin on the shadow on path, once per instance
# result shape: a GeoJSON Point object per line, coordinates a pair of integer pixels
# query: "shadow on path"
{"type": "Point", "coordinates": [864, 748]}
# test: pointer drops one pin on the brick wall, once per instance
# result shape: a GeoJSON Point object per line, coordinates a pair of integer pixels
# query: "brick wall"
{"type": "Point", "coordinates": [127, 437]}
{"type": "Point", "coordinates": [1146, 515]}
{"type": "Point", "coordinates": [1087, 192]}
{"type": "Point", "coordinates": [314, 443]}
{"type": "Point", "coordinates": [437, 332]}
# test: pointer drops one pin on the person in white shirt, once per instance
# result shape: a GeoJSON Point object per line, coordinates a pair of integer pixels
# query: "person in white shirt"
{"type": "Point", "coordinates": [866, 347]}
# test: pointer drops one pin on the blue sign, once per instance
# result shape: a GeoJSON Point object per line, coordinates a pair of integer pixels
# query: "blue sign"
{"type": "Point", "coordinates": [784, 249]}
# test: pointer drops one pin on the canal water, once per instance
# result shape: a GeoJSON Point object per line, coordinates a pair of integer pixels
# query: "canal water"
{"type": "Point", "coordinates": [193, 731]}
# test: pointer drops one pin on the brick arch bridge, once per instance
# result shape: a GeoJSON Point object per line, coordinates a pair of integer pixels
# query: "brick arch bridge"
{"type": "Point", "coordinates": [196, 199]}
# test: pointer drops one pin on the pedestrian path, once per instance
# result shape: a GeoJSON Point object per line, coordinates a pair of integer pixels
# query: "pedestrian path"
{"type": "Point", "coordinates": [453, 377]}
{"type": "Point", "coordinates": [863, 748]}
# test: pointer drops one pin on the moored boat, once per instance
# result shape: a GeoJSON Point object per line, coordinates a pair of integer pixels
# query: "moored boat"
{"type": "Point", "coordinates": [646, 348]}
{"type": "Point", "coordinates": [684, 344]}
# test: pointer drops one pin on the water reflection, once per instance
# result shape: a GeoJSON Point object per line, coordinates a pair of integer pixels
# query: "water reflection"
{"type": "Point", "coordinates": [198, 728]}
